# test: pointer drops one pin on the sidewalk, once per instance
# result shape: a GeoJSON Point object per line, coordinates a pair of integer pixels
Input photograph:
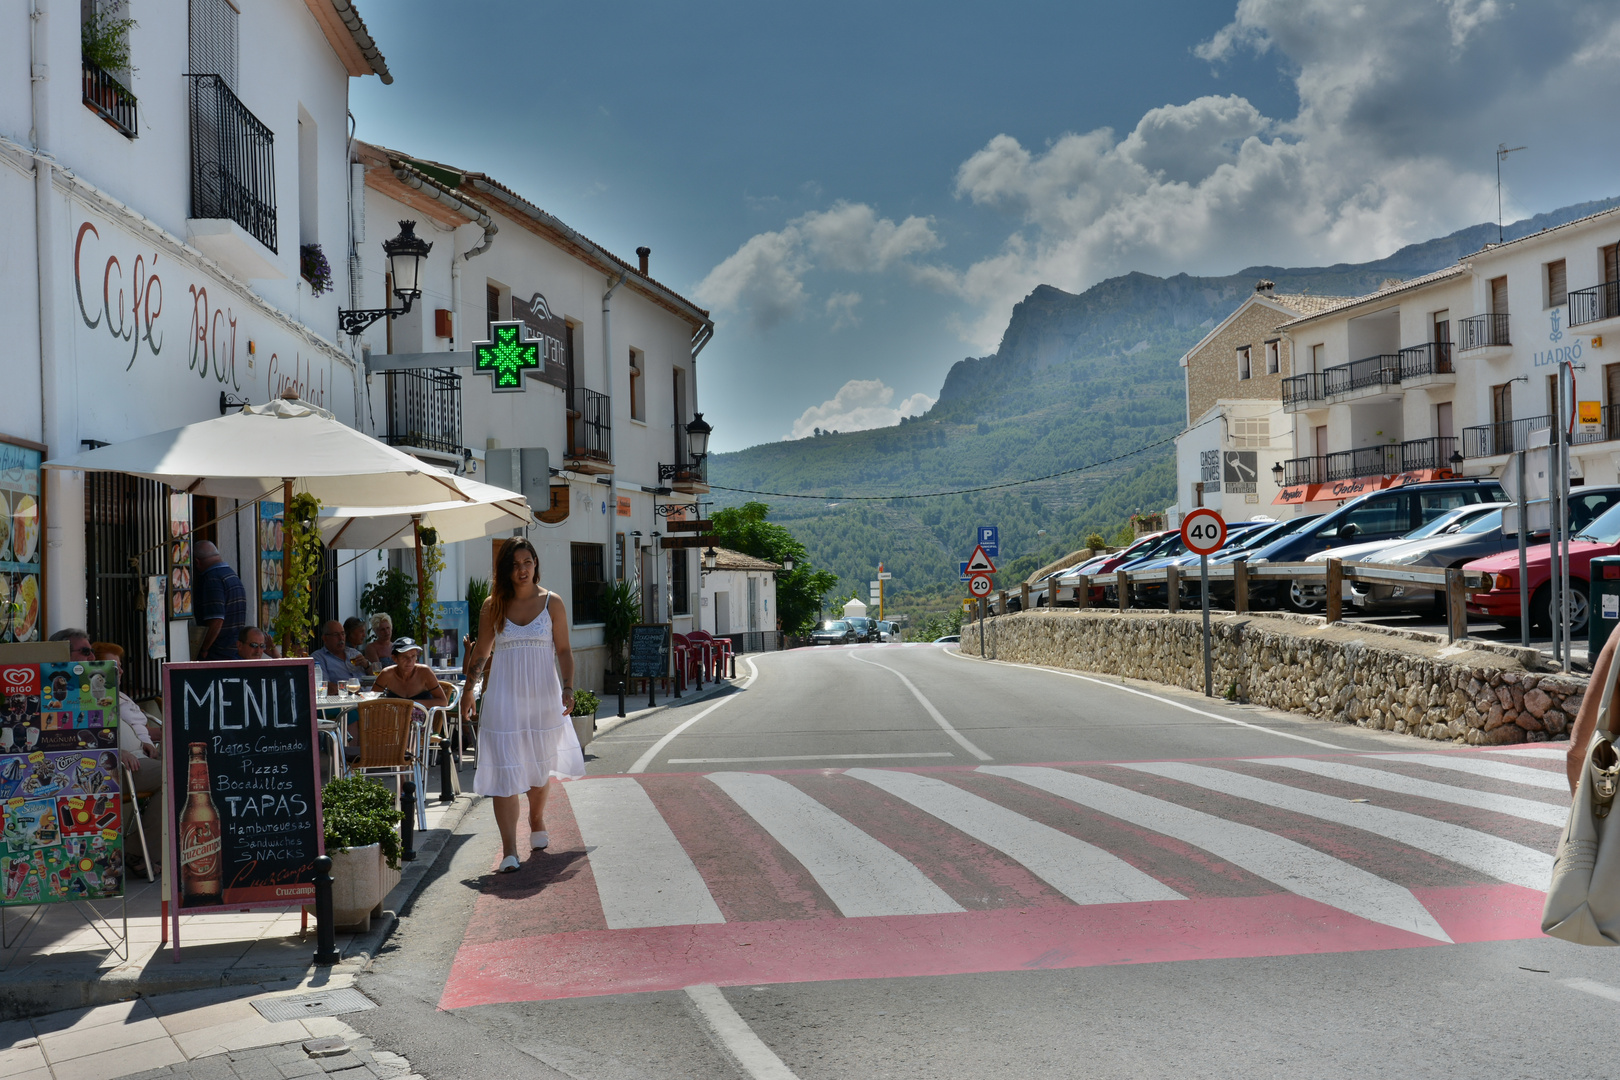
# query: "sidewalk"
{"type": "Point", "coordinates": [218, 1034]}
{"type": "Point", "coordinates": [62, 963]}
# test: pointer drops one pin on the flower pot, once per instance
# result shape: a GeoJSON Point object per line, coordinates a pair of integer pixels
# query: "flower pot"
{"type": "Point", "coordinates": [361, 879]}
{"type": "Point", "coordinates": [585, 728]}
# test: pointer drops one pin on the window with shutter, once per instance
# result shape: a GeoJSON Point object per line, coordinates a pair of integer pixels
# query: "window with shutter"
{"type": "Point", "coordinates": [1243, 362]}
{"type": "Point", "coordinates": [213, 39]}
{"type": "Point", "coordinates": [1499, 296]}
{"type": "Point", "coordinates": [1611, 263]}
{"type": "Point", "coordinates": [1273, 360]}
{"type": "Point", "coordinates": [1557, 284]}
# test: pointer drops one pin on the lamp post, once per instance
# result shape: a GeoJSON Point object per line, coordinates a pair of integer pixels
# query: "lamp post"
{"type": "Point", "coordinates": [1456, 462]}
{"type": "Point", "coordinates": [1277, 473]}
{"type": "Point", "coordinates": [405, 254]}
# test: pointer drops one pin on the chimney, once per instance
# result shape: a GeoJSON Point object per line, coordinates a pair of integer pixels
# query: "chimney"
{"type": "Point", "coordinates": [645, 253]}
{"type": "Point", "coordinates": [1265, 288]}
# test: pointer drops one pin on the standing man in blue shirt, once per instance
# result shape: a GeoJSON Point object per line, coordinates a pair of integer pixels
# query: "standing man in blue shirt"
{"type": "Point", "coordinates": [221, 603]}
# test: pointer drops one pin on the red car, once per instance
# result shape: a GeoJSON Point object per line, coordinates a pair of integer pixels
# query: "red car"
{"type": "Point", "coordinates": [1107, 564]}
{"type": "Point", "coordinates": [1502, 602]}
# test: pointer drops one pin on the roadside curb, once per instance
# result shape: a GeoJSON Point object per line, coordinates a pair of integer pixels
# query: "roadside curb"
{"type": "Point", "coordinates": [690, 697]}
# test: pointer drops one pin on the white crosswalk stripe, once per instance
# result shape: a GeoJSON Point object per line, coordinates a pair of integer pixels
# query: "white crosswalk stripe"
{"type": "Point", "coordinates": [1544, 753]}
{"type": "Point", "coordinates": [643, 875]}
{"type": "Point", "coordinates": [1529, 809]}
{"type": "Point", "coordinates": [1495, 770]}
{"type": "Point", "coordinates": [1299, 869]}
{"type": "Point", "coordinates": [1503, 859]}
{"type": "Point", "coordinates": [1084, 873]}
{"type": "Point", "coordinates": [859, 874]}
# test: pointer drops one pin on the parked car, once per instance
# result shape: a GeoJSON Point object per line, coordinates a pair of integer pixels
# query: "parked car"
{"type": "Point", "coordinates": [1104, 564]}
{"type": "Point", "coordinates": [836, 632]}
{"type": "Point", "coordinates": [1370, 551]}
{"type": "Point", "coordinates": [1378, 515]}
{"type": "Point", "coordinates": [1462, 538]}
{"type": "Point", "coordinates": [1153, 593]}
{"type": "Point", "coordinates": [888, 631]}
{"type": "Point", "coordinates": [1220, 590]}
{"type": "Point", "coordinates": [865, 627]}
{"type": "Point", "coordinates": [1599, 537]}
{"type": "Point", "coordinates": [949, 639]}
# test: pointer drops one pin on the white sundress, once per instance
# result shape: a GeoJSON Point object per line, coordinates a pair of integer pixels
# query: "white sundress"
{"type": "Point", "coordinates": [524, 737]}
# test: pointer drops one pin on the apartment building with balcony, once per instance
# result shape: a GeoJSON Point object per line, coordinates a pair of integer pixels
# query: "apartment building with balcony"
{"type": "Point", "coordinates": [1235, 423]}
{"type": "Point", "coordinates": [154, 219]}
{"type": "Point", "coordinates": [609, 403]}
{"type": "Point", "coordinates": [1452, 372]}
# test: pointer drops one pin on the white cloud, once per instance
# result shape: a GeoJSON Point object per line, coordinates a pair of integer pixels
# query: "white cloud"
{"type": "Point", "coordinates": [841, 309]}
{"type": "Point", "coordinates": [859, 404]}
{"type": "Point", "coordinates": [765, 277]}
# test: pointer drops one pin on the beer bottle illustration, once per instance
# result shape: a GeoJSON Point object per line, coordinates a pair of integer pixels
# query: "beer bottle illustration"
{"type": "Point", "coordinates": [201, 861]}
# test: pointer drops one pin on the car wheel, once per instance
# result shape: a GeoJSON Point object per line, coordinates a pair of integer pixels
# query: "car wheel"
{"type": "Point", "coordinates": [1579, 609]}
{"type": "Point", "coordinates": [1302, 601]}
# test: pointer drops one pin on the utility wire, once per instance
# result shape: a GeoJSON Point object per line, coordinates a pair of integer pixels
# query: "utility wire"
{"type": "Point", "coordinates": [958, 491]}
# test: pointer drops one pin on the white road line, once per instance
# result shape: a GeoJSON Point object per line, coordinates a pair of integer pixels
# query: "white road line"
{"type": "Point", "coordinates": [1162, 700]}
{"type": "Point", "coordinates": [1501, 859]}
{"type": "Point", "coordinates": [738, 1039]}
{"type": "Point", "coordinates": [1084, 873]}
{"type": "Point", "coordinates": [945, 725]}
{"type": "Point", "coordinates": [1593, 987]}
{"type": "Point", "coordinates": [1495, 770]}
{"type": "Point", "coordinates": [802, 757]}
{"type": "Point", "coordinates": [643, 875]}
{"type": "Point", "coordinates": [860, 875]}
{"type": "Point", "coordinates": [658, 747]}
{"type": "Point", "coordinates": [1299, 869]}
{"type": "Point", "coordinates": [1529, 809]}
{"type": "Point", "coordinates": [1540, 752]}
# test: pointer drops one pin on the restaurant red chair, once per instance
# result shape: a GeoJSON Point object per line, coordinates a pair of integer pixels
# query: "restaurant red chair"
{"type": "Point", "coordinates": [719, 653]}
{"type": "Point", "coordinates": [687, 660]}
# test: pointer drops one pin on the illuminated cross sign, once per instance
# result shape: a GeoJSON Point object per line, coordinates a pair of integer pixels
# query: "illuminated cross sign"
{"type": "Point", "coordinates": [507, 357]}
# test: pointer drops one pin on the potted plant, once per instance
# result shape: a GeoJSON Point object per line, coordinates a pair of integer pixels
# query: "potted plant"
{"type": "Point", "coordinates": [621, 610]}
{"type": "Point", "coordinates": [314, 268]}
{"type": "Point", "coordinates": [584, 716]}
{"type": "Point", "coordinates": [361, 839]}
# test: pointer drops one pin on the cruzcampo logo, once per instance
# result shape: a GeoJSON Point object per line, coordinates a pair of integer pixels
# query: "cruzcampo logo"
{"type": "Point", "coordinates": [507, 356]}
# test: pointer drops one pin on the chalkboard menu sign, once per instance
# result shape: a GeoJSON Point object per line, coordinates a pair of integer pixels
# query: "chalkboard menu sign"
{"type": "Point", "coordinates": [244, 783]}
{"type": "Point", "coordinates": [649, 651]}
{"type": "Point", "coordinates": [60, 796]}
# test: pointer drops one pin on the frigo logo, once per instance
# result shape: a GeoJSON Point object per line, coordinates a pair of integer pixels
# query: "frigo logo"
{"type": "Point", "coordinates": [17, 678]}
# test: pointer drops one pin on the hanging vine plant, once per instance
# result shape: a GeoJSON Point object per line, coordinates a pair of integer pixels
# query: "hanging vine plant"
{"type": "Point", "coordinates": [295, 621]}
{"type": "Point", "coordinates": [432, 565]}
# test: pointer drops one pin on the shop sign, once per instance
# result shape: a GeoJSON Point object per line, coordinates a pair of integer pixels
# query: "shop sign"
{"type": "Point", "coordinates": [1240, 469]}
{"type": "Point", "coordinates": [550, 330]}
{"type": "Point", "coordinates": [1209, 470]}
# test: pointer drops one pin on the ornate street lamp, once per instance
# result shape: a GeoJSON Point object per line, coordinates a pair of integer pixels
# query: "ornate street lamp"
{"type": "Point", "coordinates": [787, 566]}
{"type": "Point", "coordinates": [1277, 473]}
{"type": "Point", "coordinates": [405, 254]}
{"type": "Point", "coordinates": [697, 437]}
{"type": "Point", "coordinates": [1456, 462]}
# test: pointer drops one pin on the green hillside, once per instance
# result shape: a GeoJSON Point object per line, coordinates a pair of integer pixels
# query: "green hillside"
{"type": "Point", "coordinates": [1076, 380]}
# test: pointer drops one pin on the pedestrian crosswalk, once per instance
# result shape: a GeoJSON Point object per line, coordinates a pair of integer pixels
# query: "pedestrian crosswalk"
{"type": "Point", "coordinates": [888, 867]}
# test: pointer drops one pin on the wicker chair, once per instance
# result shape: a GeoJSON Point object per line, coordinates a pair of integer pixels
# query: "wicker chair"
{"type": "Point", "coordinates": [440, 729]}
{"type": "Point", "coordinates": [390, 735]}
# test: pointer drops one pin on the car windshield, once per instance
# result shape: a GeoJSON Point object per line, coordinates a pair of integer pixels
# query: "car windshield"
{"type": "Point", "coordinates": [1261, 536]}
{"type": "Point", "coordinates": [1489, 521]}
{"type": "Point", "coordinates": [836, 626]}
{"type": "Point", "coordinates": [1443, 523]}
{"type": "Point", "coordinates": [1605, 528]}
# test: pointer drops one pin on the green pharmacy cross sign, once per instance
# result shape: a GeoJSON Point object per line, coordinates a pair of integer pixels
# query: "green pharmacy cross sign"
{"type": "Point", "coordinates": [507, 356]}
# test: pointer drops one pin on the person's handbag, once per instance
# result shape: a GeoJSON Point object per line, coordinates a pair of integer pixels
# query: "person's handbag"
{"type": "Point", "coordinates": [1583, 901]}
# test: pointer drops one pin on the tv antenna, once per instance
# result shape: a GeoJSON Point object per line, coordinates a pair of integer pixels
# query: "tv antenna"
{"type": "Point", "coordinates": [1502, 151]}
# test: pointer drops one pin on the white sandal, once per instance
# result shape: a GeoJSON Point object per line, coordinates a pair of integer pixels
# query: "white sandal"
{"type": "Point", "coordinates": [539, 840]}
{"type": "Point", "coordinates": [508, 865]}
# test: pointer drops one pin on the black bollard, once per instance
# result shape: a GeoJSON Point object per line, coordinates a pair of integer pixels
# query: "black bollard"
{"type": "Point", "coordinates": [652, 684]}
{"type": "Point", "coordinates": [447, 768]}
{"type": "Point", "coordinates": [621, 695]}
{"type": "Point", "coordinates": [326, 953]}
{"type": "Point", "coordinates": [407, 823]}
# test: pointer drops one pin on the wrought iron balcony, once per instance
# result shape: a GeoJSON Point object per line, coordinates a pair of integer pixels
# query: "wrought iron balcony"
{"type": "Point", "coordinates": [233, 163]}
{"type": "Point", "coordinates": [1484, 330]}
{"type": "Point", "coordinates": [590, 426]}
{"type": "Point", "coordinates": [1304, 470]}
{"type": "Point", "coordinates": [1430, 453]}
{"type": "Point", "coordinates": [1430, 358]}
{"type": "Point", "coordinates": [109, 99]}
{"type": "Point", "coordinates": [686, 476]}
{"type": "Point", "coordinates": [1364, 461]}
{"type": "Point", "coordinates": [1502, 437]}
{"type": "Point", "coordinates": [424, 410]}
{"type": "Point", "coordinates": [1594, 304]}
{"type": "Point", "coordinates": [1381, 370]}
{"type": "Point", "coordinates": [1299, 389]}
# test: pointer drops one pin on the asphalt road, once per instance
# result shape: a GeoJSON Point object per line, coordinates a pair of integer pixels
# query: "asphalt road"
{"type": "Point", "coordinates": [895, 861]}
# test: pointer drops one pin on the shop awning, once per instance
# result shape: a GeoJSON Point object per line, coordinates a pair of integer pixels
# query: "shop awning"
{"type": "Point", "coordinates": [247, 454]}
{"type": "Point", "coordinates": [1298, 494]}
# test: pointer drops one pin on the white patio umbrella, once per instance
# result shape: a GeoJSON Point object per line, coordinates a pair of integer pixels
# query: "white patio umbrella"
{"type": "Point", "coordinates": [361, 528]}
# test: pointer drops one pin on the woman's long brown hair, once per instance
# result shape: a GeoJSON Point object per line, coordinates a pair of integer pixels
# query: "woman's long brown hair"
{"type": "Point", "coordinates": [504, 591]}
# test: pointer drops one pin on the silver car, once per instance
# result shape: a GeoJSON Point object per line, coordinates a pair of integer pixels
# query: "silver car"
{"type": "Point", "coordinates": [1470, 537]}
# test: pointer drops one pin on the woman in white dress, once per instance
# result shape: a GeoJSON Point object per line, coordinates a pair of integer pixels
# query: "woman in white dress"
{"type": "Point", "coordinates": [524, 735]}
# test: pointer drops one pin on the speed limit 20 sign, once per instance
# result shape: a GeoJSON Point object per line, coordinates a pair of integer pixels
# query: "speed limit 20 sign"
{"type": "Point", "coordinates": [979, 585]}
{"type": "Point", "coordinates": [1203, 531]}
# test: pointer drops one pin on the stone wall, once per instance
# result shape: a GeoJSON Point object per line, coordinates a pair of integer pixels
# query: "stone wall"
{"type": "Point", "coordinates": [1389, 681]}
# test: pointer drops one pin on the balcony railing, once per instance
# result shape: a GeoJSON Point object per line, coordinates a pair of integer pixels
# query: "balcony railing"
{"type": "Point", "coordinates": [1591, 305]}
{"type": "Point", "coordinates": [590, 425]}
{"type": "Point", "coordinates": [1304, 470]}
{"type": "Point", "coordinates": [1430, 358]}
{"type": "Point", "coordinates": [1484, 330]}
{"type": "Point", "coordinates": [1502, 437]}
{"type": "Point", "coordinates": [424, 410]}
{"type": "Point", "coordinates": [1297, 389]}
{"type": "Point", "coordinates": [109, 99]}
{"type": "Point", "coordinates": [1364, 461]}
{"type": "Point", "coordinates": [233, 162]}
{"type": "Point", "coordinates": [1382, 370]}
{"type": "Point", "coordinates": [691, 473]}
{"type": "Point", "coordinates": [1430, 453]}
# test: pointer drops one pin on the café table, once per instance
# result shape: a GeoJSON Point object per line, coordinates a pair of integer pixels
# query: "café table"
{"type": "Point", "coordinates": [330, 708]}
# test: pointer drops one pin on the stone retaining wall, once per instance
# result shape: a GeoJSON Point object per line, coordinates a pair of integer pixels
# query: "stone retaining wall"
{"type": "Point", "coordinates": [1348, 674]}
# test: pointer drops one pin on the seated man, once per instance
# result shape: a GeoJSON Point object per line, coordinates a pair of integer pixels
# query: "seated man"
{"type": "Point", "coordinates": [409, 679]}
{"type": "Point", "coordinates": [332, 658]}
{"type": "Point", "coordinates": [354, 641]}
{"type": "Point", "coordinates": [252, 644]}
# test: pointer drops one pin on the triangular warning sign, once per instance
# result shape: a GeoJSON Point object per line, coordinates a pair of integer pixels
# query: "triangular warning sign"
{"type": "Point", "coordinates": [980, 563]}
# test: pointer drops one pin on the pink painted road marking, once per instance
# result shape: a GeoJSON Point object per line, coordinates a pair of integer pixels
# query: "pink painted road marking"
{"type": "Point", "coordinates": [592, 963]}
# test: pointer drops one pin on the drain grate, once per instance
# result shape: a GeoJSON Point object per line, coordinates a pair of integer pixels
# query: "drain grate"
{"type": "Point", "coordinates": [304, 1006]}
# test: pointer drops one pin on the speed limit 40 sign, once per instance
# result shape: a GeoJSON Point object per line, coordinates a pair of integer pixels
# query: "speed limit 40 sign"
{"type": "Point", "coordinates": [1203, 531]}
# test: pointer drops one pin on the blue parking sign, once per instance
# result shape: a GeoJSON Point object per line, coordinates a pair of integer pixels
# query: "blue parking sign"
{"type": "Point", "coordinates": [961, 570]}
{"type": "Point", "coordinates": [990, 540]}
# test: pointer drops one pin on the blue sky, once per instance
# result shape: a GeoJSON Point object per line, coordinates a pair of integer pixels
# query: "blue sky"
{"type": "Point", "coordinates": [861, 192]}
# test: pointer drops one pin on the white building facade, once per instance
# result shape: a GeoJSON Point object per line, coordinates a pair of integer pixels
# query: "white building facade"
{"type": "Point", "coordinates": [739, 599]}
{"type": "Point", "coordinates": [154, 220]}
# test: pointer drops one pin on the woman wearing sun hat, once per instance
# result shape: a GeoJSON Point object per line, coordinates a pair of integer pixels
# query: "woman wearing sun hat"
{"type": "Point", "coordinates": [409, 679]}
